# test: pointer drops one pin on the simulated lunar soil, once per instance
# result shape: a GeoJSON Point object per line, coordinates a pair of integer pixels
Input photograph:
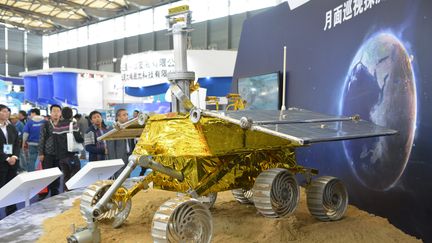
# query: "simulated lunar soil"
{"type": "Point", "coordinates": [235, 222]}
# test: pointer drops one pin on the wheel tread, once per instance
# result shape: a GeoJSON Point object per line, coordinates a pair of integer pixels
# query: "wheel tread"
{"type": "Point", "coordinates": [315, 197]}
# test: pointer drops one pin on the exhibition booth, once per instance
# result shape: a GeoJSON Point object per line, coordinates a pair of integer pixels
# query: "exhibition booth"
{"type": "Point", "coordinates": [11, 92]}
{"type": "Point", "coordinates": [143, 80]}
{"type": "Point", "coordinates": [332, 96]}
{"type": "Point", "coordinates": [373, 61]}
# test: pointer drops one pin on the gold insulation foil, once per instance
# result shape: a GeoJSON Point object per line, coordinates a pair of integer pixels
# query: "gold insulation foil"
{"type": "Point", "coordinates": [213, 155]}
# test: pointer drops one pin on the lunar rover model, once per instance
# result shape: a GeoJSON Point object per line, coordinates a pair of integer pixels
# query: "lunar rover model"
{"type": "Point", "coordinates": [199, 153]}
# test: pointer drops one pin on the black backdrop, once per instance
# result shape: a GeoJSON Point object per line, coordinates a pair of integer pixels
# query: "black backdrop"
{"type": "Point", "coordinates": [318, 63]}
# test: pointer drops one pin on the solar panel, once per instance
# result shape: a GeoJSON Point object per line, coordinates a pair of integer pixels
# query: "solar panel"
{"type": "Point", "coordinates": [299, 125]}
{"type": "Point", "coordinates": [307, 126]}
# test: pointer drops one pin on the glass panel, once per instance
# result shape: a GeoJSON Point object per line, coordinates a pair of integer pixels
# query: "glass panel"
{"type": "Point", "coordinates": [105, 31]}
{"type": "Point", "coordinates": [159, 17]}
{"type": "Point", "coordinates": [146, 21]}
{"type": "Point", "coordinates": [83, 35]}
{"type": "Point", "coordinates": [93, 34]}
{"type": "Point", "coordinates": [62, 41]}
{"type": "Point", "coordinates": [72, 42]}
{"type": "Point", "coordinates": [199, 10]}
{"type": "Point", "coordinates": [237, 6]}
{"type": "Point", "coordinates": [132, 24]}
{"type": "Point", "coordinates": [217, 8]}
{"type": "Point", "coordinates": [47, 45]}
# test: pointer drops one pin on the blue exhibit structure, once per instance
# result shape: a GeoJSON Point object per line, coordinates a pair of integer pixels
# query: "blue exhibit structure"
{"type": "Point", "coordinates": [30, 89]}
{"type": "Point", "coordinates": [48, 89]}
{"type": "Point", "coordinates": [216, 86]}
{"type": "Point", "coordinates": [65, 87]}
{"type": "Point", "coordinates": [147, 91]}
{"type": "Point", "coordinates": [45, 89]}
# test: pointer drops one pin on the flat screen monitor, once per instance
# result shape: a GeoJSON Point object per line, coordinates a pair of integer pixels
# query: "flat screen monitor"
{"type": "Point", "coordinates": [261, 92]}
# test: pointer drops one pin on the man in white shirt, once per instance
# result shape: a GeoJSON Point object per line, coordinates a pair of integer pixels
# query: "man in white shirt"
{"type": "Point", "coordinates": [9, 151]}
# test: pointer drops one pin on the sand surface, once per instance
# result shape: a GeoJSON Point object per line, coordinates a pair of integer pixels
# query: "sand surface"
{"type": "Point", "coordinates": [234, 222]}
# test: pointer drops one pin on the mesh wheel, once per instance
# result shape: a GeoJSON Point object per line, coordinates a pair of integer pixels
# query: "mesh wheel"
{"type": "Point", "coordinates": [182, 220]}
{"type": "Point", "coordinates": [243, 196]}
{"type": "Point", "coordinates": [327, 198]}
{"type": "Point", "coordinates": [118, 212]}
{"type": "Point", "coordinates": [276, 193]}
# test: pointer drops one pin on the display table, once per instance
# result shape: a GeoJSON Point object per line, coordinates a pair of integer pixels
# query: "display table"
{"type": "Point", "coordinates": [232, 222]}
{"type": "Point", "coordinates": [25, 225]}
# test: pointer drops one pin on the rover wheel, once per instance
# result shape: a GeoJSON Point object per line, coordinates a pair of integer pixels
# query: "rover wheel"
{"type": "Point", "coordinates": [182, 219]}
{"type": "Point", "coordinates": [276, 193]}
{"type": "Point", "coordinates": [118, 210]}
{"type": "Point", "coordinates": [243, 196]}
{"type": "Point", "coordinates": [327, 198]}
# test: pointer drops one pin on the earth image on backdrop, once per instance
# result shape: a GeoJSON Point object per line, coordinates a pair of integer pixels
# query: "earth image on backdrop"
{"type": "Point", "coordinates": [380, 87]}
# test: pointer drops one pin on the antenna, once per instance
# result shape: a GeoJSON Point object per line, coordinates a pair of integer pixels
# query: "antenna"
{"type": "Point", "coordinates": [284, 80]}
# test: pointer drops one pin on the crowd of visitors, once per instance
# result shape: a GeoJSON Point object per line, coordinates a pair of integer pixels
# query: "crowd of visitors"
{"type": "Point", "coordinates": [31, 142]}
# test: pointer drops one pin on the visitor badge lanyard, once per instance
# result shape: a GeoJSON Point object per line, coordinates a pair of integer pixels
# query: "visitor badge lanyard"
{"type": "Point", "coordinates": [7, 148]}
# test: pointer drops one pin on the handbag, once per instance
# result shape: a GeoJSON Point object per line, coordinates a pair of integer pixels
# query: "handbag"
{"type": "Point", "coordinates": [72, 144]}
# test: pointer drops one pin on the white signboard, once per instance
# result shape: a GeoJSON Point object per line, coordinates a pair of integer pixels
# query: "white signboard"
{"type": "Point", "coordinates": [94, 171]}
{"type": "Point", "coordinates": [150, 68]}
{"type": "Point", "coordinates": [25, 185]}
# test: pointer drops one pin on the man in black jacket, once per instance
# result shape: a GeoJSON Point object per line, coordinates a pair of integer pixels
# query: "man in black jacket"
{"type": "Point", "coordinates": [98, 150]}
{"type": "Point", "coordinates": [68, 161]}
{"type": "Point", "coordinates": [10, 148]}
{"type": "Point", "coordinates": [47, 149]}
